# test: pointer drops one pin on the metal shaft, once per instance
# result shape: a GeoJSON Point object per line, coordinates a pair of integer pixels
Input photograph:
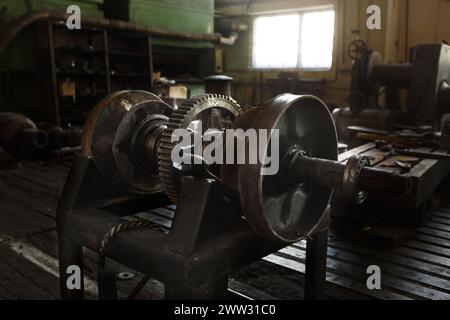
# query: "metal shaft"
{"type": "Point", "coordinates": [398, 74]}
{"type": "Point", "coordinates": [332, 174]}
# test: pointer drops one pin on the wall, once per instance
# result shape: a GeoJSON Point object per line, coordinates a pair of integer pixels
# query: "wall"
{"type": "Point", "coordinates": [405, 23]}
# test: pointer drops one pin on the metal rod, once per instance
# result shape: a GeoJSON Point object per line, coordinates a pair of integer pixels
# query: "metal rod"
{"type": "Point", "coordinates": [397, 74]}
{"type": "Point", "coordinates": [331, 174]}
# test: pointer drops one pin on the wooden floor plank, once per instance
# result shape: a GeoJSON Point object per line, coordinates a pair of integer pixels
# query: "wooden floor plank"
{"type": "Point", "coordinates": [431, 240]}
{"type": "Point", "coordinates": [40, 278]}
{"type": "Point", "coordinates": [357, 286]}
{"type": "Point", "coordinates": [438, 226]}
{"type": "Point", "coordinates": [32, 217]}
{"type": "Point", "coordinates": [441, 220]}
{"type": "Point", "coordinates": [442, 215]}
{"type": "Point", "coordinates": [6, 295]}
{"type": "Point", "coordinates": [27, 183]}
{"type": "Point", "coordinates": [439, 250]}
{"type": "Point", "coordinates": [49, 180]}
{"type": "Point", "coordinates": [56, 187]}
{"type": "Point", "coordinates": [19, 285]}
{"type": "Point", "coordinates": [424, 256]}
{"type": "Point", "coordinates": [417, 270]}
{"type": "Point", "coordinates": [433, 232]}
{"type": "Point", "coordinates": [390, 268]}
{"type": "Point", "coordinates": [393, 257]}
{"type": "Point", "coordinates": [32, 202]}
{"type": "Point", "coordinates": [12, 226]}
{"type": "Point", "coordinates": [358, 273]}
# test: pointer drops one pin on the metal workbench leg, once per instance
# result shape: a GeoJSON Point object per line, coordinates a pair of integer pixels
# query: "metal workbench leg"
{"type": "Point", "coordinates": [107, 284]}
{"type": "Point", "coordinates": [316, 266]}
{"type": "Point", "coordinates": [70, 254]}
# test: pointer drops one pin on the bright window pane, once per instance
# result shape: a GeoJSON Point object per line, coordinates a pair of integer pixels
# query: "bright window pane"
{"type": "Point", "coordinates": [317, 40]}
{"type": "Point", "coordinates": [276, 41]}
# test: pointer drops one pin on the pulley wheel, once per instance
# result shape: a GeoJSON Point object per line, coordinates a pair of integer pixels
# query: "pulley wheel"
{"type": "Point", "coordinates": [116, 138]}
{"type": "Point", "coordinates": [213, 111]}
{"type": "Point", "coordinates": [273, 207]}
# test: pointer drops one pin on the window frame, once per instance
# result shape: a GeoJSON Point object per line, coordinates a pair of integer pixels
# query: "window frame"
{"type": "Point", "coordinates": [300, 12]}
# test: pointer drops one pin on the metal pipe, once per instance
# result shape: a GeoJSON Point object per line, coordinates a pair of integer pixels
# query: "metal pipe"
{"type": "Point", "coordinates": [22, 22]}
{"type": "Point", "coordinates": [397, 74]}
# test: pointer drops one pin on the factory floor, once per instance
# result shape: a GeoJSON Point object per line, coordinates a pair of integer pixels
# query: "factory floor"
{"type": "Point", "coordinates": [418, 269]}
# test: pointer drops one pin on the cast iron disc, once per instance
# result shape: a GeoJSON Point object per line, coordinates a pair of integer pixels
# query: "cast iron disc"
{"type": "Point", "coordinates": [274, 208]}
{"type": "Point", "coordinates": [132, 162]}
{"type": "Point", "coordinates": [107, 129]}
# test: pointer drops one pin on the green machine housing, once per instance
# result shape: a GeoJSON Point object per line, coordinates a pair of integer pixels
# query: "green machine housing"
{"type": "Point", "coordinates": [195, 16]}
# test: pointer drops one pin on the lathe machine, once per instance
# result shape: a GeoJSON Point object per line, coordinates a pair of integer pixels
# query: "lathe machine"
{"type": "Point", "coordinates": [425, 78]}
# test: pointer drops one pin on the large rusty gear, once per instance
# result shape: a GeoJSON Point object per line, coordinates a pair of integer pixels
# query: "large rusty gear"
{"type": "Point", "coordinates": [214, 110]}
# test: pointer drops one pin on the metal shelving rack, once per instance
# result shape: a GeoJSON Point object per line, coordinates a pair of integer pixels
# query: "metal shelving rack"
{"type": "Point", "coordinates": [93, 63]}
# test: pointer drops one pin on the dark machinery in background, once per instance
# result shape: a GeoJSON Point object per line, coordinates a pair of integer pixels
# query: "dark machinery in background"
{"type": "Point", "coordinates": [73, 69]}
{"type": "Point", "coordinates": [426, 78]}
{"type": "Point", "coordinates": [21, 138]}
{"type": "Point", "coordinates": [413, 142]}
{"type": "Point", "coordinates": [226, 215]}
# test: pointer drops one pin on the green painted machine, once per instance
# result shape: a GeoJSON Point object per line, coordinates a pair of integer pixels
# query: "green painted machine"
{"type": "Point", "coordinates": [195, 16]}
{"type": "Point", "coordinates": [13, 8]}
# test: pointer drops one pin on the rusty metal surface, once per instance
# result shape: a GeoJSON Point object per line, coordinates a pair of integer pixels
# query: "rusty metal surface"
{"type": "Point", "coordinates": [273, 207]}
{"type": "Point", "coordinates": [108, 132]}
{"type": "Point", "coordinates": [20, 136]}
{"type": "Point", "coordinates": [11, 124]}
{"type": "Point", "coordinates": [212, 111]}
{"type": "Point", "coordinates": [425, 175]}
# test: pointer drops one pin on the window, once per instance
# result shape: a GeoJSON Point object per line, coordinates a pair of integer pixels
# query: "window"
{"type": "Point", "coordinates": [298, 40]}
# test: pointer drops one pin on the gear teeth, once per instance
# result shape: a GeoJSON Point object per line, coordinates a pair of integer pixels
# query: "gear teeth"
{"type": "Point", "coordinates": [169, 177]}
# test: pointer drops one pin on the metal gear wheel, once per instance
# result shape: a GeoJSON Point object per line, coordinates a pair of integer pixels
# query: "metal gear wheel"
{"type": "Point", "coordinates": [213, 110]}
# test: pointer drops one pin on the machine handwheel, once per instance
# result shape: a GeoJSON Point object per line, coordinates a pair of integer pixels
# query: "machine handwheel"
{"type": "Point", "coordinates": [356, 49]}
